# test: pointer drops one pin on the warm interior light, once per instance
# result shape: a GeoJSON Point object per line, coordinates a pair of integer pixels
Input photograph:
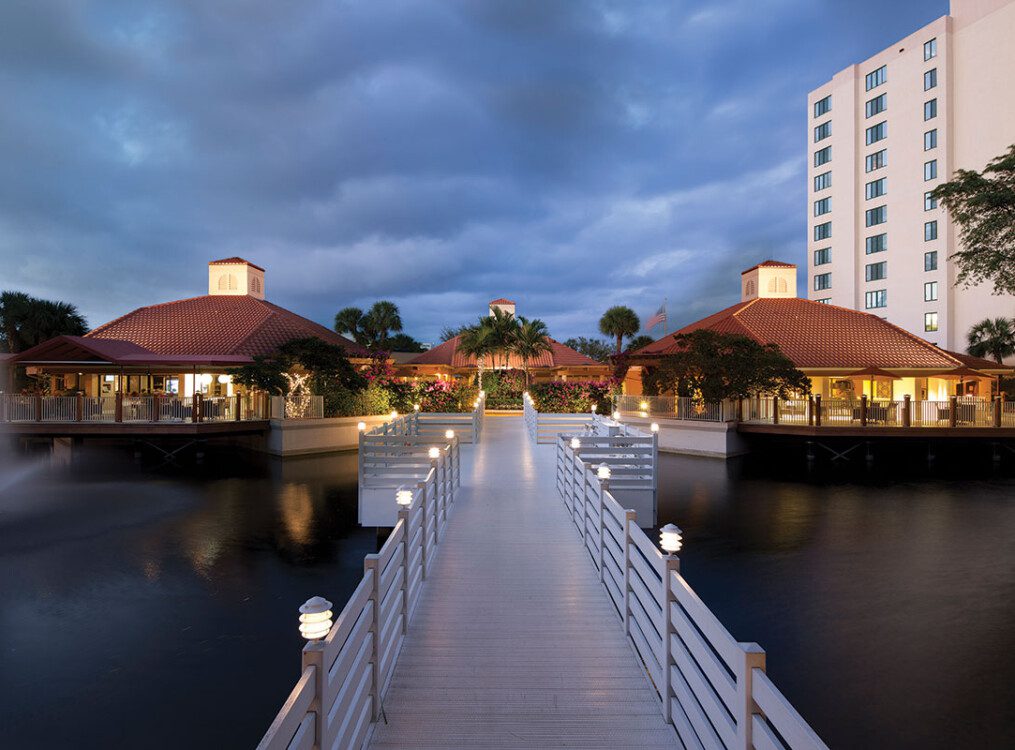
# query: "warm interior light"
{"type": "Point", "coordinates": [394, 414]}
{"type": "Point", "coordinates": [670, 539]}
{"type": "Point", "coordinates": [361, 426]}
{"type": "Point", "coordinates": [575, 443]}
{"type": "Point", "coordinates": [403, 497]}
{"type": "Point", "coordinates": [655, 427]}
{"type": "Point", "coordinates": [449, 434]}
{"type": "Point", "coordinates": [435, 453]}
{"type": "Point", "coordinates": [616, 415]}
{"type": "Point", "coordinates": [223, 379]}
{"type": "Point", "coordinates": [315, 618]}
{"type": "Point", "coordinates": [643, 406]}
{"type": "Point", "coordinates": [603, 472]}
{"type": "Point", "coordinates": [205, 379]}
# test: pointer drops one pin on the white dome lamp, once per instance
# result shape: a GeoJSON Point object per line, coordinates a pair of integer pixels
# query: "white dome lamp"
{"type": "Point", "coordinates": [315, 618]}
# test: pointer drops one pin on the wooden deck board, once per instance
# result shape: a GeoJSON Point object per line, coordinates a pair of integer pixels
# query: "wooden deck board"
{"type": "Point", "coordinates": [515, 644]}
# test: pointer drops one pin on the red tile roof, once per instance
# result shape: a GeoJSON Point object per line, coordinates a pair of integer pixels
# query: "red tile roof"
{"type": "Point", "coordinates": [216, 325]}
{"type": "Point", "coordinates": [502, 301]}
{"type": "Point", "coordinates": [816, 335]}
{"type": "Point", "coordinates": [770, 264]}
{"type": "Point", "coordinates": [234, 260]}
{"type": "Point", "coordinates": [79, 349]}
{"type": "Point", "coordinates": [560, 356]}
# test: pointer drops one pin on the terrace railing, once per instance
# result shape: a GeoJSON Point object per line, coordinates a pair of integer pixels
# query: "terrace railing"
{"type": "Point", "coordinates": [863, 412]}
{"type": "Point", "coordinates": [546, 427]}
{"type": "Point", "coordinates": [676, 407]}
{"type": "Point", "coordinates": [131, 409]}
{"type": "Point", "coordinates": [346, 674]}
{"type": "Point", "coordinates": [713, 689]}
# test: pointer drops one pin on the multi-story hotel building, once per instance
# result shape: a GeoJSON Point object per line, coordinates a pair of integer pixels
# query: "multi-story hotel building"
{"type": "Point", "coordinates": [884, 133]}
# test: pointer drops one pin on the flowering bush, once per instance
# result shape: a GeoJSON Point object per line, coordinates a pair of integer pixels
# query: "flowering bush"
{"type": "Point", "coordinates": [573, 396]}
{"type": "Point", "coordinates": [504, 389]}
{"type": "Point", "coordinates": [444, 395]}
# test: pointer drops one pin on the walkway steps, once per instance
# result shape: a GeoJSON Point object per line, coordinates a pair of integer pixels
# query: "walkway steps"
{"type": "Point", "coordinates": [515, 644]}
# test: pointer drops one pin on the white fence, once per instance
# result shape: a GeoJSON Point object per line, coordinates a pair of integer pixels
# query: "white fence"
{"type": "Point", "coordinates": [713, 689]}
{"type": "Point", "coordinates": [130, 409]}
{"type": "Point", "coordinates": [546, 427]}
{"type": "Point", "coordinates": [862, 412]}
{"type": "Point", "coordinates": [676, 407]}
{"type": "Point", "coordinates": [346, 674]}
{"type": "Point", "coordinates": [311, 408]}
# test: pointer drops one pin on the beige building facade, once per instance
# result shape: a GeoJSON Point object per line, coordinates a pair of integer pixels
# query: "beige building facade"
{"type": "Point", "coordinates": [884, 133]}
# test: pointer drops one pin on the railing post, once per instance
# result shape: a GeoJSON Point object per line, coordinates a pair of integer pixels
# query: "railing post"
{"type": "Point", "coordinates": [863, 410]}
{"type": "Point", "coordinates": [239, 407]}
{"type": "Point", "coordinates": [195, 408]}
{"type": "Point", "coordinates": [38, 408]}
{"type": "Point", "coordinates": [775, 410]}
{"type": "Point", "coordinates": [370, 564]}
{"type": "Point", "coordinates": [118, 407]}
{"type": "Point", "coordinates": [754, 658]}
{"type": "Point", "coordinates": [79, 408]}
{"type": "Point", "coordinates": [630, 517]}
{"type": "Point", "coordinates": [953, 411]}
{"type": "Point", "coordinates": [604, 487]}
{"type": "Point", "coordinates": [810, 411]}
{"type": "Point", "coordinates": [997, 410]}
{"type": "Point", "coordinates": [672, 563]}
{"type": "Point", "coordinates": [423, 538]}
{"type": "Point", "coordinates": [817, 410]}
{"type": "Point", "coordinates": [403, 516]}
{"type": "Point", "coordinates": [907, 411]}
{"type": "Point", "coordinates": [156, 408]}
{"type": "Point", "coordinates": [313, 656]}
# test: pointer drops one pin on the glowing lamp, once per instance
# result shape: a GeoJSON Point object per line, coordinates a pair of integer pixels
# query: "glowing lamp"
{"type": "Point", "coordinates": [403, 497]}
{"type": "Point", "coordinates": [616, 415]}
{"type": "Point", "coordinates": [575, 443]}
{"type": "Point", "coordinates": [594, 407]}
{"type": "Point", "coordinates": [655, 427]}
{"type": "Point", "coordinates": [415, 407]}
{"type": "Point", "coordinates": [434, 452]}
{"type": "Point", "coordinates": [449, 434]}
{"type": "Point", "coordinates": [603, 472]}
{"type": "Point", "coordinates": [361, 426]}
{"type": "Point", "coordinates": [394, 414]}
{"type": "Point", "coordinates": [315, 618]}
{"type": "Point", "coordinates": [643, 406]}
{"type": "Point", "coordinates": [670, 539]}
{"type": "Point", "coordinates": [223, 379]}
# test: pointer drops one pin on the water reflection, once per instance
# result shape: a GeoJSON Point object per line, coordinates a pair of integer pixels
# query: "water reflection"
{"type": "Point", "coordinates": [137, 594]}
{"type": "Point", "coordinates": [885, 606]}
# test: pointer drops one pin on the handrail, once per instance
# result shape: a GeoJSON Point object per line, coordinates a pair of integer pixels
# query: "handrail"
{"type": "Point", "coordinates": [712, 689]}
{"type": "Point", "coordinates": [120, 408]}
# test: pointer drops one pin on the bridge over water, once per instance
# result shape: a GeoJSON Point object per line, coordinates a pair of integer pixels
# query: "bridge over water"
{"type": "Point", "coordinates": [526, 609]}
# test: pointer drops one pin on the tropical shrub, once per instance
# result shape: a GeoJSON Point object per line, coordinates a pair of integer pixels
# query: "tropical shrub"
{"type": "Point", "coordinates": [573, 396]}
{"type": "Point", "coordinates": [504, 389]}
{"type": "Point", "coordinates": [444, 395]}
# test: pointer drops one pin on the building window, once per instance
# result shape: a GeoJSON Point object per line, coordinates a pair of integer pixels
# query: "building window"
{"type": "Point", "coordinates": [929, 201]}
{"type": "Point", "coordinates": [822, 281]}
{"type": "Point", "coordinates": [930, 109]}
{"type": "Point", "coordinates": [822, 206]}
{"type": "Point", "coordinates": [877, 105]}
{"type": "Point", "coordinates": [929, 231]}
{"type": "Point", "coordinates": [877, 132]}
{"type": "Point", "coordinates": [875, 216]}
{"type": "Point", "coordinates": [876, 188]}
{"type": "Point", "coordinates": [873, 300]}
{"type": "Point", "coordinates": [823, 106]}
{"type": "Point", "coordinates": [823, 156]}
{"type": "Point", "coordinates": [930, 291]}
{"type": "Point", "coordinates": [930, 321]}
{"type": "Point", "coordinates": [930, 261]}
{"type": "Point", "coordinates": [930, 79]}
{"type": "Point", "coordinates": [876, 271]}
{"type": "Point", "coordinates": [822, 131]}
{"type": "Point", "coordinates": [824, 300]}
{"type": "Point", "coordinates": [822, 256]}
{"type": "Point", "coordinates": [877, 160]}
{"type": "Point", "coordinates": [227, 282]}
{"type": "Point", "coordinates": [877, 244]}
{"type": "Point", "coordinates": [930, 139]}
{"type": "Point", "coordinates": [876, 78]}
{"type": "Point", "coordinates": [930, 49]}
{"type": "Point", "coordinates": [822, 181]}
{"type": "Point", "coordinates": [930, 170]}
{"type": "Point", "coordinates": [777, 285]}
{"type": "Point", "coordinates": [823, 231]}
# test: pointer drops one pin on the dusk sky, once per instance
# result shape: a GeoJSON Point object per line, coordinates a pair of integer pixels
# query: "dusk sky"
{"type": "Point", "coordinates": [569, 155]}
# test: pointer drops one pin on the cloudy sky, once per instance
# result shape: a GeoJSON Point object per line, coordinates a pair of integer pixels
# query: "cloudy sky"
{"type": "Point", "coordinates": [569, 154]}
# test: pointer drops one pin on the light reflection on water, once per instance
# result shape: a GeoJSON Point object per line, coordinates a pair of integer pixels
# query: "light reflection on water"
{"type": "Point", "coordinates": [887, 608]}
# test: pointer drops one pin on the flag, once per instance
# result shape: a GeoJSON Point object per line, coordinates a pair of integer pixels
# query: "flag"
{"type": "Point", "coordinates": [659, 317]}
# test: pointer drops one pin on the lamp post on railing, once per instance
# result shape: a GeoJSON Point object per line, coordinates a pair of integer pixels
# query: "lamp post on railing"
{"type": "Point", "coordinates": [403, 498]}
{"type": "Point", "coordinates": [315, 618]}
{"type": "Point", "coordinates": [315, 624]}
{"type": "Point", "coordinates": [670, 541]}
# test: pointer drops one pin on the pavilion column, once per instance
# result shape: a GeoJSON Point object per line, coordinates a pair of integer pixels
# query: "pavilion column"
{"type": "Point", "coordinates": [998, 408]}
{"type": "Point", "coordinates": [863, 410]}
{"type": "Point", "coordinates": [953, 410]}
{"type": "Point", "coordinates": [907, 411]}
{"type": "Point", "coordinates": [817, 410]}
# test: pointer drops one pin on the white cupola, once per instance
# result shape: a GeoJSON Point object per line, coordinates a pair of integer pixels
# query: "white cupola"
{"type": "Point", "coordinates": [235, 277]}
{"type": "Point", "coordinates": [772, 278]}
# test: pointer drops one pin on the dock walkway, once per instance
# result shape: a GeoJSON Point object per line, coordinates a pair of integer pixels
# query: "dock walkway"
{"type": "Point", "coordinates": [515, 644]}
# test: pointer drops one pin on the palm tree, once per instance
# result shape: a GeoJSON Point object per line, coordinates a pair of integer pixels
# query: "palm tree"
{"type": "Point", "coordinates": [26, 321]}
{"type": "Point", "coordinates": [349, 321]}
{"type": "Point", "coordinates": [638, 342]}
{"type": "Point", "coordinates": [992, 338]}
{"type": "Point", "coordinates": [477, 341]}
{"type": "Point", "coordinates": [503, 327]}
{"type": "Point", "coordinates": [621, 322]}
{"type": "Point", "coordinates": [381, 320]}
{"type": "Point", "coordinates": [531, 339]}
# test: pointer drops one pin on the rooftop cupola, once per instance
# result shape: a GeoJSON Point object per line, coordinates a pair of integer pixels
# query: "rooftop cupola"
{"type": "Point", "coordinates": [235, 277]}
{"type": "Point", "coordinates": [772, 278]}
{"type": "Point", "coordinates": [504, 305]}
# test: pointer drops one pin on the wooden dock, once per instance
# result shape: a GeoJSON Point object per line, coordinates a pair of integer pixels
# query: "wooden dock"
{"type": "Point", "coordinates": [515, 643]}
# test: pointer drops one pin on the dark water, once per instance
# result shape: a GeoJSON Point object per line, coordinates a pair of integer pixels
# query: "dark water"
{"type": "Point", "coordinates": [158, 609]}
{"type": "Point", "coordinates": [886, 606]}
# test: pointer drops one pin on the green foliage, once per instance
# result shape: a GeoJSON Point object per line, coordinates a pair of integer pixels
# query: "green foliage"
{"type": "Point", "coordinates": [372, 400]}
{"type": "Point", "coordinates": [529, 340]}
{"type": "Point", "coordinates": [444, 395]}
{"type": "Point", "coordinates": [401, 342]}
{"type": "Point", "coordinates": [26, 321]}
{"type": "Point", "coordinates": [714, 366]}
{"type": "Point", "coordinates": [620, 322]}
{"type": "Point", "coordinates": [992, 338]}
{"type": "Point", "coordinates": [592, 348]}
{"type": "Point", "coordinates": [573, 396]}
{"type": "Point", "coordinates": [504, 389]}
{"type": "Point", "coordinates": [497, 336]}
{"type": "Point", "coordinates": [371, 329]}
{"type": "Point", "coordinates": [983, 207]}
{"type": "Point", "coordinates": [448, 333]}
{"type": "Point", "coordinates": [639, 342]}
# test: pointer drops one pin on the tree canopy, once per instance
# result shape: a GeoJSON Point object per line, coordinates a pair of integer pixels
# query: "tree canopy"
{"type": "Point", "coordinates": [620, 322]}
{"type": "Point", "coordinates": [326, 366]}
{"type": "Point", "coordinates": [716, 366]}
{"type": "Point", "coordinates": [982, 205]}
{"type": "Point", "coordinates": [595, 349]}
{"type": "Point", "coordinates": [26, 321]}
{"type": "Point", "coordinates": [992, 338]}
{"type": "Point", "coordinates": [371, 329]}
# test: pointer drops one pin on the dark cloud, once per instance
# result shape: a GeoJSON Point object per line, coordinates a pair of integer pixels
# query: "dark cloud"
{"type": "Point", "coordinates": [570, 155]}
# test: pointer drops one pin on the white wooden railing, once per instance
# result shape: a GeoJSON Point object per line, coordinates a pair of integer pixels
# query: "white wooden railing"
{"type": "Point", "coordinates": [676, 407]}
{"type": "Point", "coordinates": [346, 675]}
{"type": "Point", "coordinates": [546, 427]}
{"type": "Point", "coordinates": [816, 411]}
{"type": "Point", "coordinates": [713, 689]}
{"type": "Point", "coordinates": [130, 409]}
